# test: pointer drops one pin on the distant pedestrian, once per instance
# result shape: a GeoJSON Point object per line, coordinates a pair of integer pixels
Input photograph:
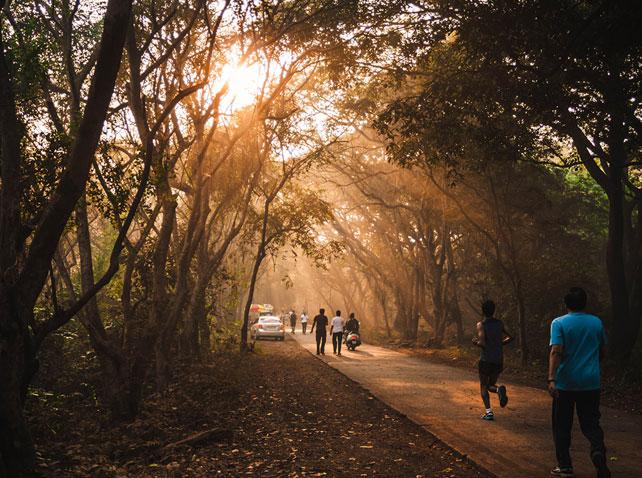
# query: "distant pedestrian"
{"type": "Point", "coordinates": [292, 320]}
{"type": "Point", "coordinates": [577, 344]}
{"type": "Point", "coordinates": [336, 329]}
{"type": "Point", "coordinates": [304, 322]}
{"type": "Point", "coordinates": [321, 323]}
{"type": "Point", "coordinates": [491, 337]}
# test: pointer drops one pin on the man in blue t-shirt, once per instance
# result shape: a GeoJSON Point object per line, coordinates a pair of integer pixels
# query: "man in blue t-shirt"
{"type": "Point", "coordinates": [577, 346]}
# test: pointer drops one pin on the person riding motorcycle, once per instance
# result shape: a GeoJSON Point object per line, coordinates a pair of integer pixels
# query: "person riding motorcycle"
{"type": "Point", "coordinates": [352, 325]}
{"type": "Point", "coordinates": [351, 330]}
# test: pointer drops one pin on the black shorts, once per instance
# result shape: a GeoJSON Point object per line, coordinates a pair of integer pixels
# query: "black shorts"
{"type": "Point", "coordinates": [489, 372]}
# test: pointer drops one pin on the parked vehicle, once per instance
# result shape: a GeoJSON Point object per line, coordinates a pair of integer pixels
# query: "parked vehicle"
{"type": "Point", "coordinates": [260, 310]}
{"type": "Point", "coordinates": [268, 326]}
{"type": "Point", "coordinates": [353, 340]}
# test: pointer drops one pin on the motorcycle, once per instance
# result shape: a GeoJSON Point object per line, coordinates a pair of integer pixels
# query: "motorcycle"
{"type": "Point", "coordinates": [352, 340]}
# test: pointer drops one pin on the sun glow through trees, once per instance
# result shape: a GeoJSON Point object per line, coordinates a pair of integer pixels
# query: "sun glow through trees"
{"type": "Point", "coordinates": [244, 84]}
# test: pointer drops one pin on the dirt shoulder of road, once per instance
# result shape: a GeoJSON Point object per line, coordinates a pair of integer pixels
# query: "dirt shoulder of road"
{"type": "Point", "coordinates": [273, 413]}
{"type": "Point", "coordinates": [620, 390]}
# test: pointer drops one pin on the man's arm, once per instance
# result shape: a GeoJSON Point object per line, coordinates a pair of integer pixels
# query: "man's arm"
{"type": "Point", "coordinates": [480, 340]}
{"type": "Point", "coordinates": [554, 360]}
{"type": "Point", "coordinates": [314, 322]}
{"type": "Point", "coordinates": [508, 338]}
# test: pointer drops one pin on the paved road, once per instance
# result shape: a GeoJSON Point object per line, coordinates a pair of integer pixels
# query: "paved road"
{"type": "Point", "coordinates": [446, 401]}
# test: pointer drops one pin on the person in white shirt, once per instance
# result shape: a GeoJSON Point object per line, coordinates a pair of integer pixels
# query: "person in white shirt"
{"type": "Point", "coordinates": [304, 322]}
{"type": "Point", "coordinates": [336, 329]}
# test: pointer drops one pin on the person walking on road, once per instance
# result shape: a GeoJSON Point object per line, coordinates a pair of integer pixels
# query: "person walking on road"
{"type": "Point", "coordinates": [321, 323]}
{"type": "Point", "coordinates": [304, 322]}
{"type": "Point", "coordinates": [336, 329]}
{"type": "Point", "coordinates": [491, 338]}
{"type": "Point", "coordinates": [292, 320]}
{"type": "Point", "coordinates": [577, 345]}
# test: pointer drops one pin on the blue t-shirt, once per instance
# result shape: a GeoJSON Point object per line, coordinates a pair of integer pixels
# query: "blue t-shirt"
{"type": "Point", "coordinates": [582, 335]}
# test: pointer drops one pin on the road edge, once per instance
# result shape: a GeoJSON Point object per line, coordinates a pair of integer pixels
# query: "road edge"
{"type": "Point", "coordinates": [456, 452]}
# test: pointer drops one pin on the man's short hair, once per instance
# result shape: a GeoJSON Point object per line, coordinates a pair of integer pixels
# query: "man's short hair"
{"type": "Point", "coordinates": [575, 299]}
{"type": "Point", "coordinates": [488, 308]}
{"type": "Point", "coordinates": [338, 313]}
{"type": "Point", "coordinates": [321, 311]}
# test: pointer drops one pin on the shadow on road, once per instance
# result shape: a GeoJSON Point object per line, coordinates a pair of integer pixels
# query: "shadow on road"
{"type": "Point", "coordinates": [357, 353]}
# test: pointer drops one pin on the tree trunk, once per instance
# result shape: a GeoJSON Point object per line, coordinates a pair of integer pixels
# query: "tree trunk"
{"type": "Point", "coordinates": [521, 321]}
{"type": "Point", "coordinates": [260, 255]}
{"type": "Point", "coordinates": [167, 334]}
{"type": "Point", "coordinates": [17, 454]}
{"type": "Point", "coordinates": [250, 296]}
{"type": "Point", "coordinates": [195, 309]}
{"type": "Point", "coordinates": [453, 304]}
{"type": "Point", "coordinates": [401, 313]}
{"type": "Point", "coordinates": [455, 312]}
{"type": "Point", "coordinates": [18, 298]}
{"type": "Point", "coordinates": [624, 326]}
{"type": "Point", "coordinates": [382, 300]}
{"type": "Point", "coordinates": [159, 287]}
{"type": "Point", "coordinates": [203, 345]}
{"type": "Point", "coordinates": [112, 362]}
{"type": "Point", "coordinates": [420, 300]}
{"type": "Point", "coordinates": [635, 294]}
{"type": "Point", "coordinates": [183, 289]}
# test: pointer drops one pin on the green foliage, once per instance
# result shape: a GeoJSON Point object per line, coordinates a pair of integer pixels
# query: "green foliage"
{"type": "Point", "coordinates": [45, 153]}
{"type": "Point", "coordinates": [294, 220]}
{"type": "Point", "coordinates": [590, 218]}
{"type": "Point", "coordinates": [492, 87]}
{"type": "Point", "coordinates": [111, 189]}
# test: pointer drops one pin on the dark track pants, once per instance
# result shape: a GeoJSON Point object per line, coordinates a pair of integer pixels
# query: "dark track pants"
{"type": "Point", "coordinates": [588, 413]}
{"type": "Point", "coordinates": [337, 338]}
{"type": "Point", "coordinates": [304, 325]}
{"type": "Point", "coordinates": [320, 342]}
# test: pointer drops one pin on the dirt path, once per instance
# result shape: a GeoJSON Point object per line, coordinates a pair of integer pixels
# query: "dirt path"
{"type": "Point", "coordinates": [290, 416]}
{"type": "Point", "coordinates": [445, 400]}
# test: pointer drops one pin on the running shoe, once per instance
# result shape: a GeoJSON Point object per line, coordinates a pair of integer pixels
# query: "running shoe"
{"type": "Point", "coordinates": [503, 398]}
{"type": "Point", "coordinates": [562, 472]}
{"type": "Point", "coordinates": [488, 416]}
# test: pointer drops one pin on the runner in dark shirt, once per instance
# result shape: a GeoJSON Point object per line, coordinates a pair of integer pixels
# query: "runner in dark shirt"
{"type": "Point", "coordinates": [491, 337]}
{"type": "Point", "coordinates": [321, 322]}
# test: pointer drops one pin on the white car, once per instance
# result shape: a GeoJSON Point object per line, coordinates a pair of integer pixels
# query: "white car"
{"type": "Point", "coordinates": [268, 326]}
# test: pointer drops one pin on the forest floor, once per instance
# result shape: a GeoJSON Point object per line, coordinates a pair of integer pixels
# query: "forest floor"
{"type": "Point", "coordinates": [276, 412]}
